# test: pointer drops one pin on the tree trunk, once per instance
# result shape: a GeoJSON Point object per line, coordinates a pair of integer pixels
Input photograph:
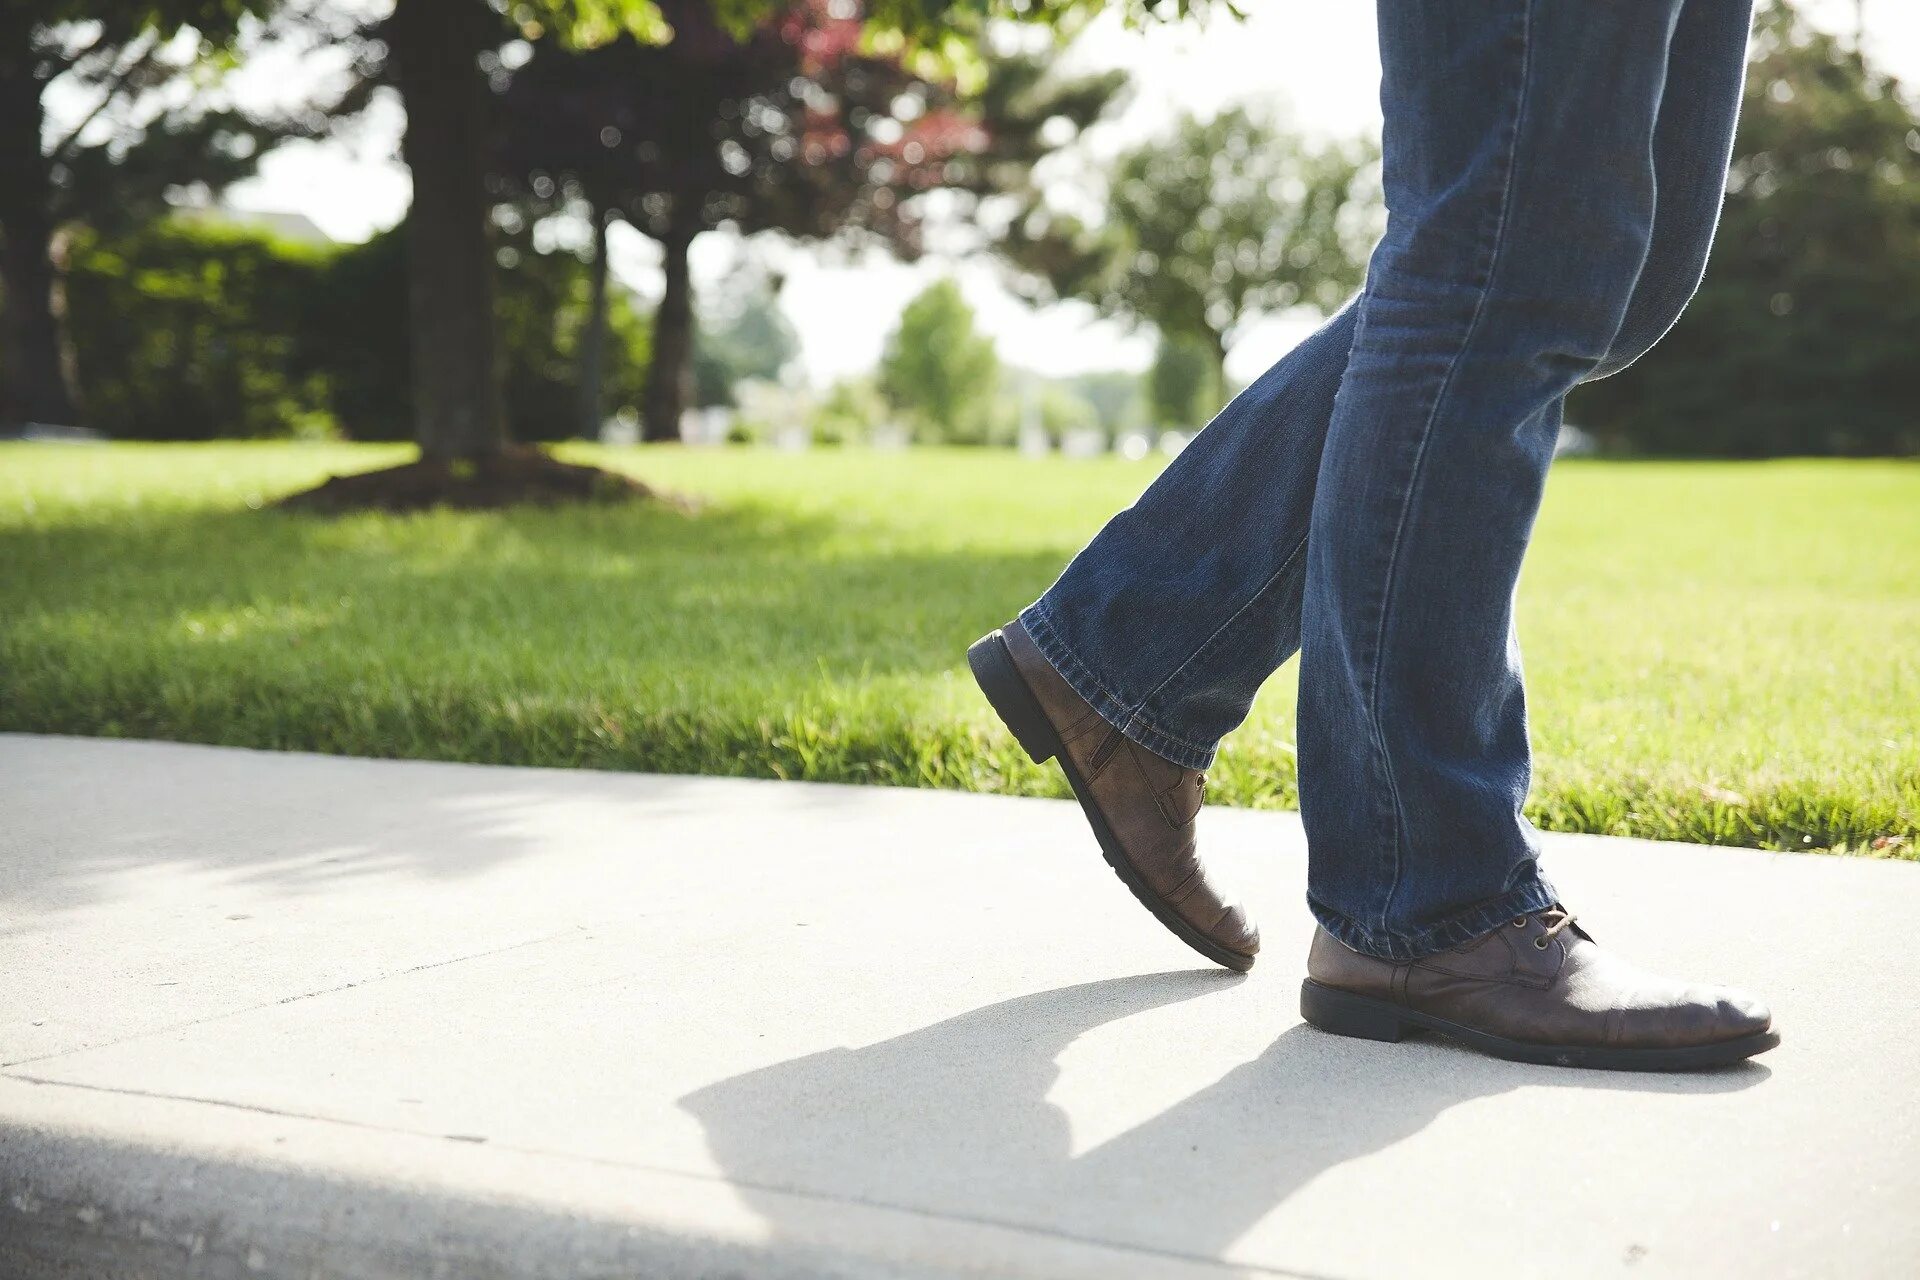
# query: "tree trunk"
{"type": "Point", "coordinates": [465, 460]}
{"type": "Point", "coordinates": [458, 408]}
{"type": "Point", "coordinates": [31, 379]}
{"type": "Point", "coordinates": [593, 341]}
{"type": "Point", "coordinates": [670, 371]}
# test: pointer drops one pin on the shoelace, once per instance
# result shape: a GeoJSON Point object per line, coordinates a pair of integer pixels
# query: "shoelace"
{"type": "Point", "coordinates": [1557, 919]}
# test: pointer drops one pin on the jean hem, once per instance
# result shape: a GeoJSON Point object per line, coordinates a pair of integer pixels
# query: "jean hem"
{"type": "Point", "coordinates": [1037, 620]}
{"type": "Point", "coordinates": [1456, 930]}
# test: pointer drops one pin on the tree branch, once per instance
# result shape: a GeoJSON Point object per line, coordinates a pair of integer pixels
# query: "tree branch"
{"type": "Point", "coordinates": [65, 147]}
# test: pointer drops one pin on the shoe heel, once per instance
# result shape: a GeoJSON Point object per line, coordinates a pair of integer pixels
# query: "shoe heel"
{"type": "Point", "coordinates": [1349, 1015]}
{"type": "Point", "coordinates": [1012, 700]}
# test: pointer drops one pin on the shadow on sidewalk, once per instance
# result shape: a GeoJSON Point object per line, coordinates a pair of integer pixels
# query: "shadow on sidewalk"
{"type": "Point", "coordinates": [83, 811]}
{"type": "Point", "coordinates": [954, 1120]}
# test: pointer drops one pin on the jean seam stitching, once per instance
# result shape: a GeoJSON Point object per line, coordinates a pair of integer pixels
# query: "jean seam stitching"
{"type": "Point", "coordinates": [1419, 458]}
{"type": "Point", "coordinates": [1177, 677]}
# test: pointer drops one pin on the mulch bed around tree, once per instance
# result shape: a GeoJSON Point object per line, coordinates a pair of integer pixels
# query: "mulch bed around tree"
{"type": "Point", "coordinates": [519, 476]}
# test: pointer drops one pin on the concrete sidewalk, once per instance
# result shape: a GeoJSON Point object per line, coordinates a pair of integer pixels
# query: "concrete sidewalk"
{"type": "Point", "coordinates": [290, 1015]}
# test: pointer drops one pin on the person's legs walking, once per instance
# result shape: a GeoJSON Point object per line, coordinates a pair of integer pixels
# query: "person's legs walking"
{"type": "Point", "coordinates": [1165, 626]}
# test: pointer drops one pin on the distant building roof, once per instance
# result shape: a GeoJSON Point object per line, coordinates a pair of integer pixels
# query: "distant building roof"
{"type": "Point", "coordinates": [297, 227]}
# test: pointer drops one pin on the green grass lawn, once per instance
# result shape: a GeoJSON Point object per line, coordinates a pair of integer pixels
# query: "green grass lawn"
{"type": "Point", "coordinates": [1716, 652]}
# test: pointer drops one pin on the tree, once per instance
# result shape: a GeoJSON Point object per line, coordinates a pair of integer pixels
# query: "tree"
{"type": "Point", "coordinates": [438, 46]}
{"type": "Point", "coordinates": [439, 50]}
{"type": "Point", "coordinates": [1028, 111]}
{"type": "Point", "coordinates": [111, 52]}
{"type": "Point", "coordinates": [1219, 222]}
{"type": "Point", "coordinates": [1183, 386]}
{"type": "Point", "coordinates": [1803, 335]}
{"type": "Point", "coordinates": [792, 128]}
{"type": "Point", "coordinates": [939, 373]}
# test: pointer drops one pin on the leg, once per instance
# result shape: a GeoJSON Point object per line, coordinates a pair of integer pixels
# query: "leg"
{"type": "Point", "coordinates": [1154, 641]}
{"type": "Point", "coordinates": [1180, 608]}
{"type": "Point", "coordinates": [1521, 174]}
{"type": "Point", "coordinates": [1521, 168]}
{"type": "Point", "coordinates": [1692, 145]}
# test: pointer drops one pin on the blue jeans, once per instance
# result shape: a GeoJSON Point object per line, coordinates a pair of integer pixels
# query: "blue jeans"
{"type": "Point", "coordinates": [1553, 173]}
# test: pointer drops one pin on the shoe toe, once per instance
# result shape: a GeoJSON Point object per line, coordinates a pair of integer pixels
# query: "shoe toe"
{"type": "Point", "coordinates": [1236, 932]}
{"type": "Point", "coordinates": [1742, 1015]}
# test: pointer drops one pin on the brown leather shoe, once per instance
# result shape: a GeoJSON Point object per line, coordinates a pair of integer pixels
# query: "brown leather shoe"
{"type": "Point", "coordinates": [1142, 807]}
{"type": "Point", "coordinates": [1537, 989]}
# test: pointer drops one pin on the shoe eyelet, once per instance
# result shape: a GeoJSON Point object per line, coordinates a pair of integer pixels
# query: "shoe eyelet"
{"type": "Point", "coordinates": [1519, 922]}
{"type": "Point", "coordinates": [1540, 942]}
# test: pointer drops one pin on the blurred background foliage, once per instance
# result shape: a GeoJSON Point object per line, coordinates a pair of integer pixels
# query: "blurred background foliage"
{"type": "Point", "coordinates": [1805, 335]}
{"type": "Point", "coordinates": [172, 325]}
{"type": "Point", "coordinates": [190, 331]}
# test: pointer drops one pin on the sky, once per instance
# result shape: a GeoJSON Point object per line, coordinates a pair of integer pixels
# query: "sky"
{"type": "Point", "coordinates": [1313, 64]}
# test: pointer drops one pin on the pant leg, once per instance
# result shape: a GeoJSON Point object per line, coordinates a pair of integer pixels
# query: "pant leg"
{"type": "Point", "coordinates": [1175, 614]}
{"type": "Point", "coordinates": [1692, 146]}
{"type": "Point", "coordinates": [1169, 621]}
{"type": "Point", "coordinates": [1520, 187]}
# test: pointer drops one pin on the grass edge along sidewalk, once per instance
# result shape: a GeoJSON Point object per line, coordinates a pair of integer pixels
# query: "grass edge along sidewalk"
{"type": "Point", "coordinates": [1718, 653]}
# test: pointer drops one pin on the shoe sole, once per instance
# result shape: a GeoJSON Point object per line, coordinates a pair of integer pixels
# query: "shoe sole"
{"type": "Point", "coordinates": [1013, 700]}
{"type": "Point", "coordinates": [1364, 1017]}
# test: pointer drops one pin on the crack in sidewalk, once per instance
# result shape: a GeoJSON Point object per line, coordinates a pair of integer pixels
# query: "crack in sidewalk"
{"type": "Point", "coordinates": [296, 998]}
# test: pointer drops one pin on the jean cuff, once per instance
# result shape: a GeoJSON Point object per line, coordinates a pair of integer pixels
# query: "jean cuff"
{"type": "Point", "coordinates": [1038, 621]}
{"type": "Point", "coordinates": [1537, 894]}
